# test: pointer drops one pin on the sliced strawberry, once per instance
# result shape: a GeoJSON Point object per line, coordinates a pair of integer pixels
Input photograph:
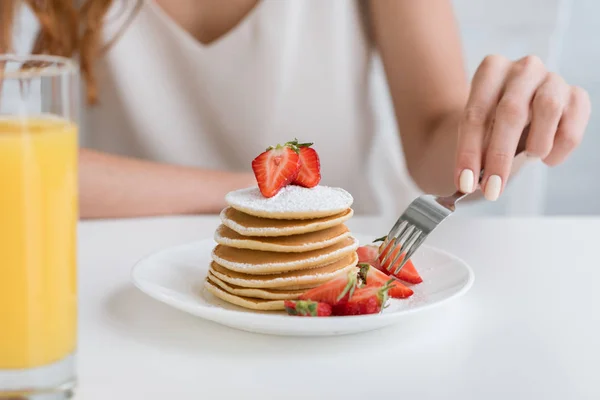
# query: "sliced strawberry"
{"type": "Point", "coordinates": [367, 300]}
{"type": "Point", "coordinates": [370, 254]}
{"type": "Point", "coordinates": [371, 276]}
{"type": "Point", "coordinates": [303, 308]}
{"type": "Point", "coordinates": [310, 167]}
{"type": "Point", "coordinates": [275, 168]}
{"type": "Point", "coordinates": [367, 253]}
{"type": "Point", "coordinates": [408, 273]}
{"type": "Point", "coordinates": [336, 291]}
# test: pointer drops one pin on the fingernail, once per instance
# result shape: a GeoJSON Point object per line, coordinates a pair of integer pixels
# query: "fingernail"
{"type": "Point", "coordinates": [492, 188]}
{"type": "Point", "coordinates": [466, 181]}
{"type": "Point", "coordinates": [531, 157]}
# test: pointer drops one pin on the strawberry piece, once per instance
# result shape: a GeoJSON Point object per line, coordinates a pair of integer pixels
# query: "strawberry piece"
{"type": "Point", "coordinates": [335, 291]}
{"type": "Point", "coordinates": [309, 174]}
{"type": "Point", "coordinates": [370, 254]}
{"type": "Point", "coordinates": [275, 168]}
{"type": "Point", "coordinates": [367, 254]}
{"type": "Point", "coordinates": [303, 308]}
{"type": "Point", "coordinates": [367, 300]}
{"type": "Point", "coordinates": [408, 273]}
{"type": "Point", "coordinates": [371, 276]}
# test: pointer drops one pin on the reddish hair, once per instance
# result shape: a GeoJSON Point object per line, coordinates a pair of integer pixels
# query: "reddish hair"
{"type": "Point", "coordinates": [65, 30]}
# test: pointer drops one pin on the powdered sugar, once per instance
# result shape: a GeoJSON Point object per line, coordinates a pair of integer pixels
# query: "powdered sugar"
{"type": "Point", "coordinates": [291, 202]}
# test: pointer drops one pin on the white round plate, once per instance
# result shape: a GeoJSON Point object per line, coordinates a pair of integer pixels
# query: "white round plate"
{"type": "Point", "coordinates": [175, 276]}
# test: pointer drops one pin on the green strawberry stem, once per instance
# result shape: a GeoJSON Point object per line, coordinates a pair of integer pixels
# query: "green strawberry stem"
{"type": "Point", "coordinates": [381, 239]}
{"type": "Point", "coordinates": [382, 293]}
{"type": "Point", "coordinates": [388, 284]}
{"type": "Point", "coordinates": [305, 307]}
{"type": "Point", "coordinates": [363, 271]}
{"type": "Point", "coordinates": [309, 308]}
{"type": "Point", "coordinates": [293, 144]}
{"type": "Point", "coordinates": [350, 286]}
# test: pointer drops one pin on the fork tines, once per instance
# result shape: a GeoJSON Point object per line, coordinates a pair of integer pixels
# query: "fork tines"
{"type": "Point", "coordinates": [407, 238]}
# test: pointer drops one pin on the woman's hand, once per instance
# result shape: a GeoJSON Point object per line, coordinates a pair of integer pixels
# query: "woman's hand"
{"type": "Point", "coordinates": [505, 97]}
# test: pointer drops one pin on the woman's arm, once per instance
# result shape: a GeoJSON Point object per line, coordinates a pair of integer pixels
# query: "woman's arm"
{"type": "Point", "coordinates": [420, 48]}
{"type": "Point", "coordinates": [450, 129]}
{"type": "Point", "coordinates": [118, 187]}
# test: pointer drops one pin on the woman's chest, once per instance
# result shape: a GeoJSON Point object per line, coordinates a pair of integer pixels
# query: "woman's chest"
{"type": "Point", "coordinates": [291, 69]}
{"type": "Point", "coordinates": [207, 20]}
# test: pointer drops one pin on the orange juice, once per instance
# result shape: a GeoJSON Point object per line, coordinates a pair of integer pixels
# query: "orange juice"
{"type": "Point", "coordinates": [38, 217]}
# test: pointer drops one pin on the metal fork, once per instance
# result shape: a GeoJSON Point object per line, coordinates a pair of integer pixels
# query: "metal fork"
{"type": "Point", "coordinates": [421, 217]}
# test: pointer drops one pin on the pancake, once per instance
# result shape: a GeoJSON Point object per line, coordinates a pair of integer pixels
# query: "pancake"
{"type": "Point", "coordinates": [248, 225]}
{"type": "Point", "coordinates": [291, 202]}
{"type": "Point", "coordinates": [286, 244]}
{"type": "Point", "coordinates": [295, 280]}
{"type": "Point", "coordinates": [266, 294]}
{"type": "Point", "coordinates": [270, 262]}
{"type": "Point", "coordinates": [246, 302]}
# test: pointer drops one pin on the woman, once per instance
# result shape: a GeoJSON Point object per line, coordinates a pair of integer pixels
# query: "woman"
{"type": "Point", "coordinates": [183, 94]}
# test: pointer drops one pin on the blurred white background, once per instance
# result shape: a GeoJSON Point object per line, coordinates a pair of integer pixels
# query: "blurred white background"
{"type": "Point", "coordinates": [563, 33]}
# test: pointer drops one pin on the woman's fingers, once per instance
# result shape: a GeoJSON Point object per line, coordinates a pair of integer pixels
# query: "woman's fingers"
{"type": "Point", "coordinates": [487, 85]}
{"type": "Point", "coordinates": [512, 114]}
{"type": "Point", "coordinates": [571, 126]}
{"type": "Point", "coordinates": [547, 108]}
{"type": "Point", "coordinates": [505, 98]}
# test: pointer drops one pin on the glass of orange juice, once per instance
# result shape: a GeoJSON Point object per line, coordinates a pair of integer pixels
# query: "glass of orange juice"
{"type": "Point", "coordinates": [38, 222]}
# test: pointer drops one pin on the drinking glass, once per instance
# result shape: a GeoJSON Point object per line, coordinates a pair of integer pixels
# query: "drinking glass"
{"type": "Point", "coordinates": [38, 220]}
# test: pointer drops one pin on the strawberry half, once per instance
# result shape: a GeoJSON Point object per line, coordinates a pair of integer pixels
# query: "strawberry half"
{"type": "Point", "coordinates": [309, 174]}
{"type": "Point", "coordinates": [303, 308]}
{"type": "Point", "coordinates": [275, 168]}
{"type": "Point", "coordinates": [370, 254]}
{"type": "Point", "coordinates": [367, 300]}
{"type": "Point", "coordinates": [336, 291]}
{"type": "Point", "coordinates": [371, 276]}
{"type": "Point", "coordinates": [408, 273]}
{"type": "Point", "coordinates": [367, 254]}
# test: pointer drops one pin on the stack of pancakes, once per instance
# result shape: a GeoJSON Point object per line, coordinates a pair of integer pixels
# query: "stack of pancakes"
{"type": "Point", "coordinates": [271, 250]}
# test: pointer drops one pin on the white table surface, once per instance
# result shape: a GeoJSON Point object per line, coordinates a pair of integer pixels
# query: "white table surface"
{"type": "Point", "coordinates": [528, 329]}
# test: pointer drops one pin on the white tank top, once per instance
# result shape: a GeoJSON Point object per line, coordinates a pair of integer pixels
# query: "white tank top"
{"type": "Point", "coordinates": [291, 69]}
